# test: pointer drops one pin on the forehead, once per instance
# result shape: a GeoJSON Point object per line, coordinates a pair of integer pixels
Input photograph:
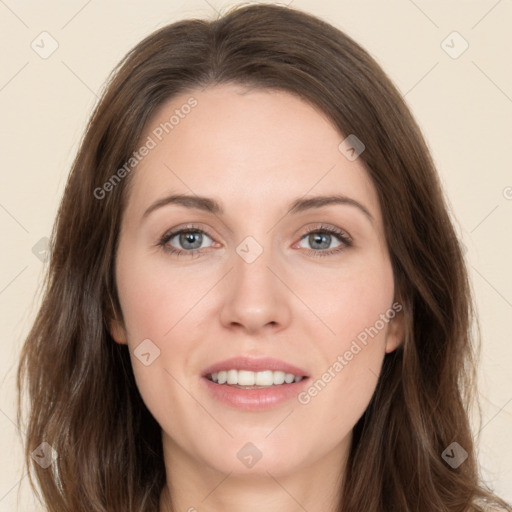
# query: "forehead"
{"type": "Point", "coordinates": [252, 149]}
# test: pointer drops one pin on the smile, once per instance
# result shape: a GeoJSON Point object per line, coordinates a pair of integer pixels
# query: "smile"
{"type": "Point", "coordinates": [251, 379]}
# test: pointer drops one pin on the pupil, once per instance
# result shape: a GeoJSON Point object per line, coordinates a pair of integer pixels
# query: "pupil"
{"type": "Point", "coordinates": [187, 238]}
{"type": "Point", "coordinates": [317, 238]}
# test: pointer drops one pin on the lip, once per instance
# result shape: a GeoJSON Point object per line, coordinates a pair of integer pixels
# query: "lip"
{"type": "Point", "coordinates": [254, 364]}
{"type": "Point", "coordinates": [255, 400]}
{"type": "Point", "coordinates": [259, 399]}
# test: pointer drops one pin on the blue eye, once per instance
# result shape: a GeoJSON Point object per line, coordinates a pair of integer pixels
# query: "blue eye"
{"type": "Point", "coordinates": [322, 237]}
{"type": "Point", "coordinates": [189, 241]}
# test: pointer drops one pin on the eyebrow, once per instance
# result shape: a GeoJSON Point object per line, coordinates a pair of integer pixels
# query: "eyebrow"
{"type": "Point", "coordinates": [209, 205]}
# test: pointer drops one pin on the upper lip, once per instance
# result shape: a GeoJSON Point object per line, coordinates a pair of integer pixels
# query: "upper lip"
{"type": "Point", "coordinates": [254, 364]}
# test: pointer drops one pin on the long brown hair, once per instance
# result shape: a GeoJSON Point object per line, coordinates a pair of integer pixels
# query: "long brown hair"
{"type": "Point", "coordinates": [83, 399]}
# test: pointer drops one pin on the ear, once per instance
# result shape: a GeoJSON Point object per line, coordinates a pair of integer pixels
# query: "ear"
{"type": "Point", "coordinates": [396, 328]}
{"type": "Point", "coordinates": [116, 327]}
{"type": "Point", "coordinates": [118, 332]}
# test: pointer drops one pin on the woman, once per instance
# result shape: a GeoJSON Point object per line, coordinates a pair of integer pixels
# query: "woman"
{"type": "Point", "coordinates": [255, 297]}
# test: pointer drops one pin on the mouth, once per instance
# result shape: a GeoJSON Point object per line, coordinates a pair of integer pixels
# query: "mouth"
{"type": "Point", "coordinates": [246, 379]}
{"type": "Point", "coordinates": [254, 384]}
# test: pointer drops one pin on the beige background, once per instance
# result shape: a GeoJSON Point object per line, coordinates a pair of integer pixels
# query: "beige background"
{"type": "Point", "coordinates": [463, 105]}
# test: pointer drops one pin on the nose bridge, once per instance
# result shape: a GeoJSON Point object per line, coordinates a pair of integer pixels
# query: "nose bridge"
{"type": "Point", "coordinates": [253, 279]}
{"type": "Point", "coordinates": [255, 296]}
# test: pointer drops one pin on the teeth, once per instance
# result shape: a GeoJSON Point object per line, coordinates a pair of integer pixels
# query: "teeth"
{"type": "Point", "coordinates": [247, 378]}
{"type": "Point", "coordinates": [232, 377]}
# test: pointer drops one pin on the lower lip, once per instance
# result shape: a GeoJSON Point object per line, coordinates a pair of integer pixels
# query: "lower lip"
{"type": "Point", "coordinates": [255, 399]}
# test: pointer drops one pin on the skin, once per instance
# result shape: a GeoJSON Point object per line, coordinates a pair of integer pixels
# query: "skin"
{"type": "Point", "coordinates": [253, 151]}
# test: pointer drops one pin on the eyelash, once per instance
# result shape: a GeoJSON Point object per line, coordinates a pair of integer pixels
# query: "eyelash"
{"type": "Point", "coordinates": [344, 238]}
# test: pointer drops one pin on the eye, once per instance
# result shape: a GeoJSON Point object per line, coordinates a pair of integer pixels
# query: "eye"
{"type": "Point", "coordinates": [186, 241]}
{"type": "Point", "coordinates": [321, 238]}
{"type": "Point", "coordinates": [191, 241]}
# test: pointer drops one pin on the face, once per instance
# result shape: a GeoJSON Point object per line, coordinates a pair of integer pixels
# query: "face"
{"type": "Point", "coordinates": [256, 271]}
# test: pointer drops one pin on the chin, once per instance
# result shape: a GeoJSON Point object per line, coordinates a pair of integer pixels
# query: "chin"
{"type": "Point", "coordinates": [256, 456]}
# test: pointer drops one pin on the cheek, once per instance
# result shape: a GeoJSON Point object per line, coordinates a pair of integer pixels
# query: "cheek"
{"type": "Point", "coordinates": [350, 300]}
{"type": "Point", "coordinates": [157, 304]}
{"type": "Point", "coordinates": [152, 305]}
{"type": "Point", "coordinates": [155, 299]}
{"type": "Point", "coordinates": [357, 306]}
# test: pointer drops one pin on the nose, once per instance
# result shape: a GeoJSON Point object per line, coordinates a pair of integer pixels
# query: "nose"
{"type": "Point", "coordinates": [256, 298]}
